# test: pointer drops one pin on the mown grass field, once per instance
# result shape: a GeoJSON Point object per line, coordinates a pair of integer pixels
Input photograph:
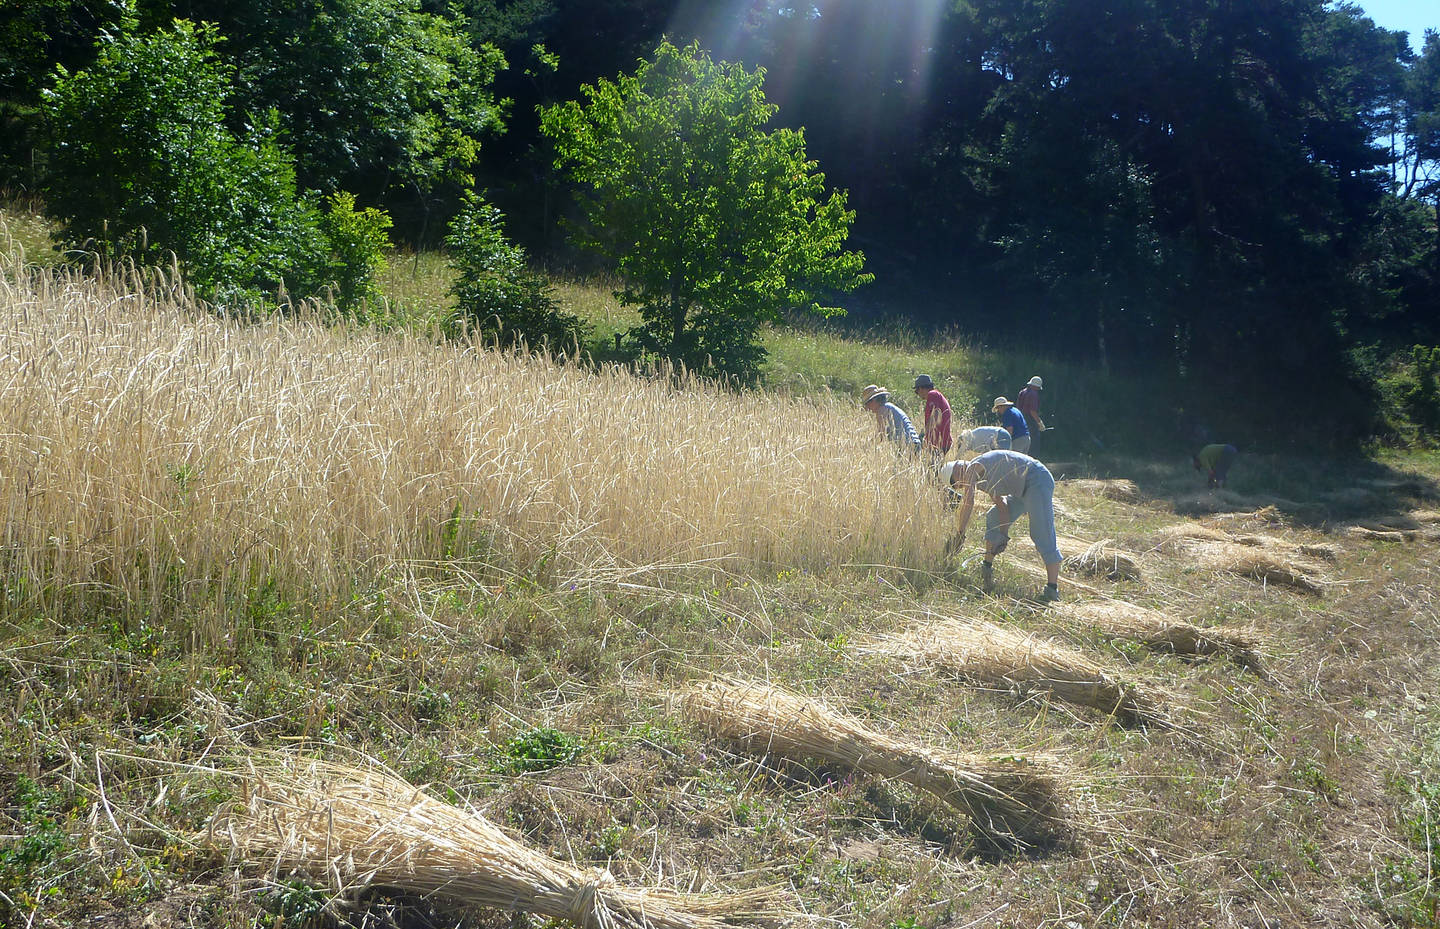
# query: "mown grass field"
{"type": "Point", "coordinates": [496, 577]}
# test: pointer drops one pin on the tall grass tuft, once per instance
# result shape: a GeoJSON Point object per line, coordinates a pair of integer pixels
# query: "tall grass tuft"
{"type": "Point", "coordinates": [165, 460]}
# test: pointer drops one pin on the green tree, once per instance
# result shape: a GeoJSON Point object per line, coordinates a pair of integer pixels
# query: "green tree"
{"type": "Point", "coordinates": [141, 165]}
{"type": "Point", "coordinates": [715, 225]}
{"type": "Point", "coordinates": [496, 293]}
{"type": "Point", "coordinates": [375, 96]}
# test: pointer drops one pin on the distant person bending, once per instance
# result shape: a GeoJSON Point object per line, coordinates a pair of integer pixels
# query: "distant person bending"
{"type": "Point", "coordinates": [1216, 460]}
{"type": "Point", "coordinates": [936, 438]}
{"type": "Point", "coordinates": [1014, 422]}
{"type": "Point", "coordinates": [891, 420]}
{"type": "Point", "coordinates": [983, 439]}
{"type": "Point", "coordinates": [1028, 403]}
{"type": "Point", "coordinates": [1018, 485]}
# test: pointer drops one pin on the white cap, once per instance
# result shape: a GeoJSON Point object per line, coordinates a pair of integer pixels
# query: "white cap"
{"type": "Point", "coordinates": [1036, 383]}
{"type": "Point", "coordinates": [947, 471]}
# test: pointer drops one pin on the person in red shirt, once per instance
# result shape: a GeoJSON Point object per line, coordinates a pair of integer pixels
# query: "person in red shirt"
{"type": "Point", "coordinates": [1028, 402]}
{"type": "Point", "coordinates": [936, 438]}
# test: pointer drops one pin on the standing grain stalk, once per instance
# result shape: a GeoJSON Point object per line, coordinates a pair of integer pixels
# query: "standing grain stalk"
{"type": "Point", "coordinates": [168, 460]}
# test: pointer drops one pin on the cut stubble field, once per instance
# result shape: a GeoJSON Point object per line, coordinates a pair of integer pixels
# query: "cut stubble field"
{"type": "Point", "coordinates": [574, 639]}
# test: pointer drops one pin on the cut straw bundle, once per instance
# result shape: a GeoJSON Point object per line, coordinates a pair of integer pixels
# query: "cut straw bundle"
{"type": "Point", "coordinates": [1375, 535]}
{"type": "Point", "coordinates": [1250, 561]}
{"type": "Point", "coordinates": [991, 655]}
{"type": "Point", "coordinates": [1100, 559]}
{"type": "Point", "coordinates": [1012, 800]}
{"type": "Point", "coordinates": [1119, 489]}
{"type": "Point", "coordinates": [1177, 537]}
{"type": "Point", "coordinates": [352, 827]}
{"type": "Point", "coordinates": [1159, 632]}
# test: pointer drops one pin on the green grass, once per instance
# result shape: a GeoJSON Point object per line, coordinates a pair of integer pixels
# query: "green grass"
{"type": "Point", "coordinates": [1308, 798]}
{"type": "Point", "coordinates": [22, 224]}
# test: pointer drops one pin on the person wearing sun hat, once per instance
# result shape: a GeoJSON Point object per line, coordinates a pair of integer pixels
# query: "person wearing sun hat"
{"type": "Point", "coordinates": [891, 420]}
{"type": "Point", "coordinates": [1028, 402]}
{"type": "Point", "coordinates": [935, 438]}
{"type": "Point", "coordinates": [1018, 485]}
{"type": "Point", "coordinates": [1014, 422]}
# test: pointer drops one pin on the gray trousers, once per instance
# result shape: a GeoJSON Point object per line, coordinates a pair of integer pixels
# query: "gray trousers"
{"type": "Point", "coordinates": [1038, 502]}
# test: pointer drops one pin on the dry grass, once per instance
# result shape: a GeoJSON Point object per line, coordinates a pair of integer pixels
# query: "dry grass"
{"type": "Point", "coordinates": [1252, 562]}
{"type": "Point", "coordinates": [1101, 559]}
{"type": "Point", "coordinates": [1161, 633]}
{"type": "Point", "coordinates": [351, 828]}
{"type": "Point", "coordinates": [1011, 800]}
{"type": "Point", "coordinates": [994, 656]}
{"type": "Point", "coordinates": [172, 459]}
{"type": "Point", "coordinates": [1376, 535]}
{"type": "Point", "coordinates": [1177, 537]}
{"type": "Point", "coordinates": [1261, 557]}
{"type": "Point", "coordinates": [1119, 489]}
{"type": "Point", "coordinates": [1174, 537]}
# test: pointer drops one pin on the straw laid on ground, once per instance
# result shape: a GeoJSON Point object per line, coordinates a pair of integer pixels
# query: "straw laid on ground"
{"type": "Point", "coordinates": [1174, 538]}
{"type": "Point", "coordinates": [351, 828]}
{"type": "Point", "coordinates": [1010, 799]}
{"type": "Point", "coordinates": [1100, 559]}
{"type": "Point", "coordinates": [1376, 535]}
{"type": "Point", "coordinates": [990, 654]}
{"type": "Point", "coordinates": [1249, 561]}
{"type": "Point", "coordinates": [1122, 490]}
{"type": "Point", "coordinates": [1157, 631]}
{"type": "Point", "coordinates": [1263, 557]}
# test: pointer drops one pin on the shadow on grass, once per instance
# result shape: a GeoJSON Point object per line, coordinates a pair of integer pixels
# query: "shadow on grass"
{"type": "Point", "coordinates": [1310, 492]}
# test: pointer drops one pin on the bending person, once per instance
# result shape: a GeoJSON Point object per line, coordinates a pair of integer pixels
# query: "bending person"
{"type": "Point", "coordinates": [1215, 461]}
{"type": "Point", "coordinates": [983, 439]}
{"type": "Point", "coordinates": [1018, 485]}
{"type": "Point", "coordinates": [889, 418]}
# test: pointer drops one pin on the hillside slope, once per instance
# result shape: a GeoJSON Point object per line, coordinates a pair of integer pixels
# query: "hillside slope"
{"type": "Point", "coordinates": [504, 581]}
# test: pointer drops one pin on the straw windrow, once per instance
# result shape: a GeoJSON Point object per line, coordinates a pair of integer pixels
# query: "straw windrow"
{"type": "Point", "coordinates": [1248, 561]}
{"type": "Point", "coordinates": [1011, 800]}
{"type": "Point", "coordinates": [1120, 490]}
{"type": "Point", "coordinates": [1262, 557]}
{"type": "Point", "coordinates": [1157, 631]}
{"type": "Point", "coordinates": [351, 828]}
{"type": "Point", "coordinates": [995, 656]}
{"type": "Point", "coordinates": [1101, 559]}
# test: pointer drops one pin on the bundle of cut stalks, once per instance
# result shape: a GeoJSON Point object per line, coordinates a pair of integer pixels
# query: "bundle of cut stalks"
{"type": "Point", "coordinates": [1320, 550]}
{"type": "Point", "coordinates": [1175, 538]}
{"type": "Point", "coordinates": [1011, 800]}
{"type": "Point", "coordinates": [1182, 538]}
{"type": "Point", "coordinates": [1099, 559]}
{"type": "Point", "coordinates": [1376, 535]}
{"type": "Point", "coordinates": [1160, 633]}
{"type": "Point", "coordinates": [999, 657]}
{"type": "Point", "coordinates": [1249, 561]}
{"type": "Point", "coordinates": [351, 828]}
{"type": "Point", "coordinates": [1120, 489]}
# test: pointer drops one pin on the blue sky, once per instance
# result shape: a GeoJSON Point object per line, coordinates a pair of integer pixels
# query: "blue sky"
{"type": "Point", "coordinates": [1414, 16]}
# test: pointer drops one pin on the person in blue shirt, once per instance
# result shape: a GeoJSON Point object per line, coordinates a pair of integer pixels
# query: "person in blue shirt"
{"type": "Point", "coordinates": [1014, 422]}
{"type": "Point", "coordinates": [893, 422]}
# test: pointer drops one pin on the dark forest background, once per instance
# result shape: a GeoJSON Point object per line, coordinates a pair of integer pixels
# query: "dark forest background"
{"type": "Point", "coordinates": [1240, 194]}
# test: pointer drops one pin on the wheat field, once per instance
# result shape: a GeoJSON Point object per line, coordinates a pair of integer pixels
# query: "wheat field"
{"type": "Point", "coordinates": [172, 458]}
